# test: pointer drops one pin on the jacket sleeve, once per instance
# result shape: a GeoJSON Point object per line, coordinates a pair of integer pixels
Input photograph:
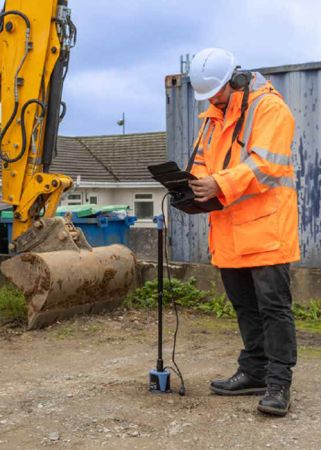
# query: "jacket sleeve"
{"type": "Point", "coordinates": [268, 162]}
{"type": "Point", "coordinates": [199, 168]}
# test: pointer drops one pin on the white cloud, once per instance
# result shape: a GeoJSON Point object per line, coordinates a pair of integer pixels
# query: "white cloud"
{"type": "Point", "coordinates": [286, 22]}
{"type": "Point", "coordinates": [105, 94]}
{"type": "Point", "coordinates": [126, 49]}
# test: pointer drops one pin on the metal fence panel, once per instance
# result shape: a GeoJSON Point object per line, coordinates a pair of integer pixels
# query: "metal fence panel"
{"type": "Point", "coordinates": [300, 86]}
{"type": "Point", "coordinates": [188, 233]}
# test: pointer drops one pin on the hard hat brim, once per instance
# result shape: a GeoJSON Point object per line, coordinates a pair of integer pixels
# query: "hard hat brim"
{"type": "Point", "coordinates": [207, 95]}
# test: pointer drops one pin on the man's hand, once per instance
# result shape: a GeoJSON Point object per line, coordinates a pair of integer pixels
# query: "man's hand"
{"type": "Point", "coordinates": [205, 188]}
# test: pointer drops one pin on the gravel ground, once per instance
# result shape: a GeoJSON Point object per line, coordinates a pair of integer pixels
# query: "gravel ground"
{"type": "Point", "coordinates": [83, 384]}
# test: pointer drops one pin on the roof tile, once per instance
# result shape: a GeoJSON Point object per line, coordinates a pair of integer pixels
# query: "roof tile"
{"type": "Point", "coordinates": [110, 158]}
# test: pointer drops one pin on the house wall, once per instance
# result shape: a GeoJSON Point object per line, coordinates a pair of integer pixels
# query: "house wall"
{"type": "Point", "coordinates": [122, 196]}
{"type": "Point", "coordinates": [127, 196]}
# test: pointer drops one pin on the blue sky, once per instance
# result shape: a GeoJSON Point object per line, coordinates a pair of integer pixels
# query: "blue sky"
{"type": "Point", "coordinates": [126, 48]}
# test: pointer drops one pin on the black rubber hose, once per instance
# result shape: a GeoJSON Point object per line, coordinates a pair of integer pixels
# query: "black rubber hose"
{"type": "Point", "coordinates": [3, 132]}
{"type": "Point", "coordinates": [16, 105]}
{"type": "Point", "coordinates": [23, 130]}
{"type": "Point", "coordinates": [63, 111]}
{"type": "Point", "coordinates": [53, 112]}
{"type": "Point", "coordinates": [17, 13]}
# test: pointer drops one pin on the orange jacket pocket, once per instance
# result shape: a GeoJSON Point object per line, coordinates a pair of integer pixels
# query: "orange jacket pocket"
{"type": "Point", "coordinates": [255, 228]}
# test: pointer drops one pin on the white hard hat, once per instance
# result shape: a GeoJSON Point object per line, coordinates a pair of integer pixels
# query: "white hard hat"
{"type": "Point", "coordinates": [210, 69]}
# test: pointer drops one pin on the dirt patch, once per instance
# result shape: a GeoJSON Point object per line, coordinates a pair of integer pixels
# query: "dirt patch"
{"type": "Point", "coordinates": [309, 339]}
{"type": "Point", "coordinates": [82, 384]}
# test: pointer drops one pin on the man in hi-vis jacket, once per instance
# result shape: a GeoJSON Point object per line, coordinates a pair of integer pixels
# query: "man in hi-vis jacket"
{"type": "Point", "coordinates": [245, 161]}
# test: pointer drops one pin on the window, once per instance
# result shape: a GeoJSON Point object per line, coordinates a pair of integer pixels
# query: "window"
{"type": "Point", "coordinates": [93, 200]}
{"type": "Point", "coordinates": [74, 199]}
{"type": "Point", "coordinates": [144, 196]}
{"type": "Point", "coordinates": [144, 206]}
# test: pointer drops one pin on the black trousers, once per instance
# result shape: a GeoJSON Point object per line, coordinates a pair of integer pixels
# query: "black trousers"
{"type": "Point", "coordinates": [262, 300]}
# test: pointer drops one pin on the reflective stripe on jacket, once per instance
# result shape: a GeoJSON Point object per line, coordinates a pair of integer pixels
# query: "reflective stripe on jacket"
{"type": "Point", "coordinates": [259, 223]}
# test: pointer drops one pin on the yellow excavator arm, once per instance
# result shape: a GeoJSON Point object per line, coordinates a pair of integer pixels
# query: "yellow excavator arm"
{"type": "Point", "coordinates": [58, 271]}
{"type": "Point", "coordinates": [35, 44]}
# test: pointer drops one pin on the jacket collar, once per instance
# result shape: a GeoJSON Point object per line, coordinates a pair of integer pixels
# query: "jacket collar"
{"type": "Point", "coordinates": [259, 85]}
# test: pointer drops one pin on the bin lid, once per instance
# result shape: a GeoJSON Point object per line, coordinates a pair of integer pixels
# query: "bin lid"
{"type": "Point", "coordinates": [78, 210]}
{"type": "Point", "coordinates": [7, 214]}
{"type": "Point", "coordinates": [90, 210]}
{"type": "Point", "coordinates": [111, 208]}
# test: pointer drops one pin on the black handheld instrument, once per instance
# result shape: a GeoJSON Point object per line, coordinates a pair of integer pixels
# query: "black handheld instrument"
{"type": "Point", "coordinates": [181, 195]}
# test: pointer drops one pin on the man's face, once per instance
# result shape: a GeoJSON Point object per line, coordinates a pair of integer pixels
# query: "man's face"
{"type": "Point", "coordinates": [221, 99]}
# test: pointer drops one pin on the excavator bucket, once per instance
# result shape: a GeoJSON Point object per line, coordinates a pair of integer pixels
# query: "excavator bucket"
{"type": "Point", "coordinates": [61, 275]}
{"type": "Point", "coordinates": [58, 285]}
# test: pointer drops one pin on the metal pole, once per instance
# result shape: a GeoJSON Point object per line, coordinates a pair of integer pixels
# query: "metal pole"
{"type": "Point", "coordinates": [123, 123]}
{"type": "Point", "coordinates": [160, 224]}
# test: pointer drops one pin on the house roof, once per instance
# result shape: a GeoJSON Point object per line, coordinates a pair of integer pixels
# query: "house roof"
{"type": "Point", "coordinates": [73, 159]}
{"type": "Point", "coordinates": [116, 158]}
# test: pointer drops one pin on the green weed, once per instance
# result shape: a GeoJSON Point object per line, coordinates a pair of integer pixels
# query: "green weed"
{"type": "Point", "coordinates": [309, 352]}
{"type": "Point", "coordinates": [219, 305]}
{"type": "Point", "coordinates": [187, 295]}
{"type": "Point", "coordinates": [309, 311]}
{"type": "Point", "coordinates": [64, 331]}
{"type": "Point", "coordinates": [12, 304]}
{"type": "Point", "coordinates": [309, 325]}
{"type": "Point", "coordinates": [184, 294]}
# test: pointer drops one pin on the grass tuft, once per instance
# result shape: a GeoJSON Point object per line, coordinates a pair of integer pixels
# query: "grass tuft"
{"type": "Point", "coordinates": [12, 304]}
{"type": "Point", "coordinates": [187, 295]}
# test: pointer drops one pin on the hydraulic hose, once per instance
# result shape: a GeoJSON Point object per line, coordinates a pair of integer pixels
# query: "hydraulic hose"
{"type": "Point", "coordinates": [23, 130]}
{"type": "Point", "coordinates": [53, 112]}
{"type": "Point", "coordinates": [16, 96]}
{"type": "Point", "coordinates": [16, 13]}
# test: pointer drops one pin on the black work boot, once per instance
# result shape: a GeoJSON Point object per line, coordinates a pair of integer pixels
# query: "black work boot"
{"type": "Point", "coordinates": [239, 384]}
{"type": "Point", "coordinates": [276, 400]}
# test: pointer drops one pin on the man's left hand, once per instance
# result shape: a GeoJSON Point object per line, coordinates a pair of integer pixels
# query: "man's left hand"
{"type": "Point", "coordinates": [205, 188]}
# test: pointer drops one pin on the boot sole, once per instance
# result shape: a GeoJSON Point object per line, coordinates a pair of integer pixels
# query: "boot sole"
{"type": "Point", "coordinates": [248, 391]}
{"type": "Point", "coordinates": [273, 411]}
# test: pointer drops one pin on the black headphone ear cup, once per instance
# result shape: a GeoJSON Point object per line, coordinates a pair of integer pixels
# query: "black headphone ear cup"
{"type": "Point", "coordinates": [232, 82]}
{"type": "Point", "coordinates": [240, 79]}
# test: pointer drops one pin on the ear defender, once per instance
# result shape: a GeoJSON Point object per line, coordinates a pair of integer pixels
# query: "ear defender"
{"type": "Point", "coordinates": [240, 78]}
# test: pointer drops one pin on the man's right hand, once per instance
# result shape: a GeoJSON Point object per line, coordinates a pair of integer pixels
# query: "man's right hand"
{"type": "Point", "coordinates": [204, 188]}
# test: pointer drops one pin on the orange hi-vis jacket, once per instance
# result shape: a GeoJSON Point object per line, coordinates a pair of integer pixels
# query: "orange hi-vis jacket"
{"type": "Point", "coordinates": [258, 225]}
